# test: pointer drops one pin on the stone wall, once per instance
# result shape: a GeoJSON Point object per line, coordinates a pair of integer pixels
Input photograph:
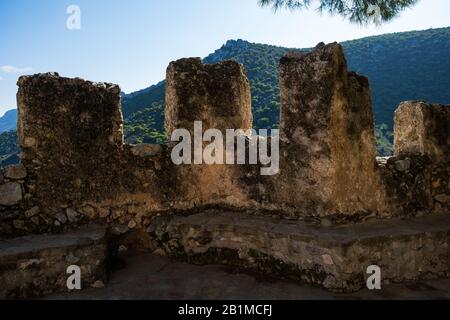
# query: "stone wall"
{"type": "Point", "coordinates": [13, 210]}
{"type": "Point", "coordinates": [332, 257]}
{"type": "Point", "coordinates": [417, 178]}
{"type": "Point", "coordinates": [36, 265]}
{"type": "Point", "coordinates": [219, 96]}
{"type": "Point", "coordinates": [422, 128]}
{"type": "Point", "coordinates": [77, 170]}
{"type": "Point", "coordinates": [327, 132]}
{"type": "Point", "coordinates": [71, 136]}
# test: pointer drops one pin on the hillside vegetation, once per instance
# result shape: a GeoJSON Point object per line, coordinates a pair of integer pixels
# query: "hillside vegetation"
{"type": "Point", "coordinates": [401, 66]}
{"type": "Point", "coordinates": [8, 148]}
{"type": "Point", "coordinates": [8, 121]}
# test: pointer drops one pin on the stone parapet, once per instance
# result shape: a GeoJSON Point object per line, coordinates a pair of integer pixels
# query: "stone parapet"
{"type": "Point", "coordinates": [327, 136]}
{"type": "Point", "coordinates": [422, 128]}
{"type": "Point", "coordinates": [330, 210]}
{"type": "Point", "coordinates": [76, 168]}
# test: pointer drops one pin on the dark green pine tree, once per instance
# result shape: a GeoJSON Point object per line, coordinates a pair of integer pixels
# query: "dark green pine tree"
{"type": "Point", "coordinates": [357, 11]}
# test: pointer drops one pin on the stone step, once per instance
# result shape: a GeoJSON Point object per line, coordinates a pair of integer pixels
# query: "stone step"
{"type": "Point", "coordinates": [336, 257]}
{"type": "Point", "coordinates": [37, 265]}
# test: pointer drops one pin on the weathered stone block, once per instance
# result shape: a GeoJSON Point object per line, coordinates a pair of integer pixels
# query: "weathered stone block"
{"type": "Point", "coordinates": [71, 135]}
{"type": "Point", "coordinates": [10, 193]}
{"type": "Point", "coordinates": [218, 95]}
{"type": "Point", "coordinates": [327, 136]}
{"type": "Point", "coordinates": [32, 212]}
{"type": "Point", "coordinates": [423, 128]}
{"type": "Point", "coordinates": [146, 150]}
{"type": "Point", "coordinates": [72, 215]}
{"type": "Point", "coordinates": [37, 265]}
{"type": "Point", "coordinates": [15, 172]}
{"type": "Point", "coordinates": [406, 180]}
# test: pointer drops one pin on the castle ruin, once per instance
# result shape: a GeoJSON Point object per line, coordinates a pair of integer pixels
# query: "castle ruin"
{"type": "Point", "coordinates": [333, 210]}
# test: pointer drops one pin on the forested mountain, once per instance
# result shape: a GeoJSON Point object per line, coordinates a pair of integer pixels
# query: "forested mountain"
{"type": "Point", "coordinates": [8, 148]}
{"type": "Point", "coordinates": [8, 121]}
{"type": "Point", "coordinates": [401, 66]}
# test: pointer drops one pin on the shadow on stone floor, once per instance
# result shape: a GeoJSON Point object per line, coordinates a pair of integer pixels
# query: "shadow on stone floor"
{"type": "Point", "coordinates": [150, 277]}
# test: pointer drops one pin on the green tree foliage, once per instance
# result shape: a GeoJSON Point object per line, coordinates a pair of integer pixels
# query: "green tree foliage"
{"type": "Point", "coordinates": [144, 115]}
{"type": "Point", "coordinates": [8, 148]}
{"type": "Point", "coordinates": [357, 11]}
{"type": "Point", "coordinates": [146, 125]}
{"type": "Point", "coordinates": [384, 137]}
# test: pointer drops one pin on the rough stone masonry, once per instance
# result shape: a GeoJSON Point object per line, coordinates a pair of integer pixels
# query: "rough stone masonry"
{"type": "Point", "coordinates": [76, 169]}
{"type": "Point", "coordinates": [327, 132]}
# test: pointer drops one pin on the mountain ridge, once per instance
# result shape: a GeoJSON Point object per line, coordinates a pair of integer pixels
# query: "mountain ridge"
{"type": "Point", "coordinates": [8, 121]}
{"type": "Point", "coordinates": [401, 66]}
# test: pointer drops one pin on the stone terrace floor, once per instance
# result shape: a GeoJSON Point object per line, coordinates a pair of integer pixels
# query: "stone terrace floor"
{"type": "Point", "coordinates": [146, 276]}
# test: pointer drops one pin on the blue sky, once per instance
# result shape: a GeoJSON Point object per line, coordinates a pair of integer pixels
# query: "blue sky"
{"type": "Point", "coordinates": [131, 42]}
